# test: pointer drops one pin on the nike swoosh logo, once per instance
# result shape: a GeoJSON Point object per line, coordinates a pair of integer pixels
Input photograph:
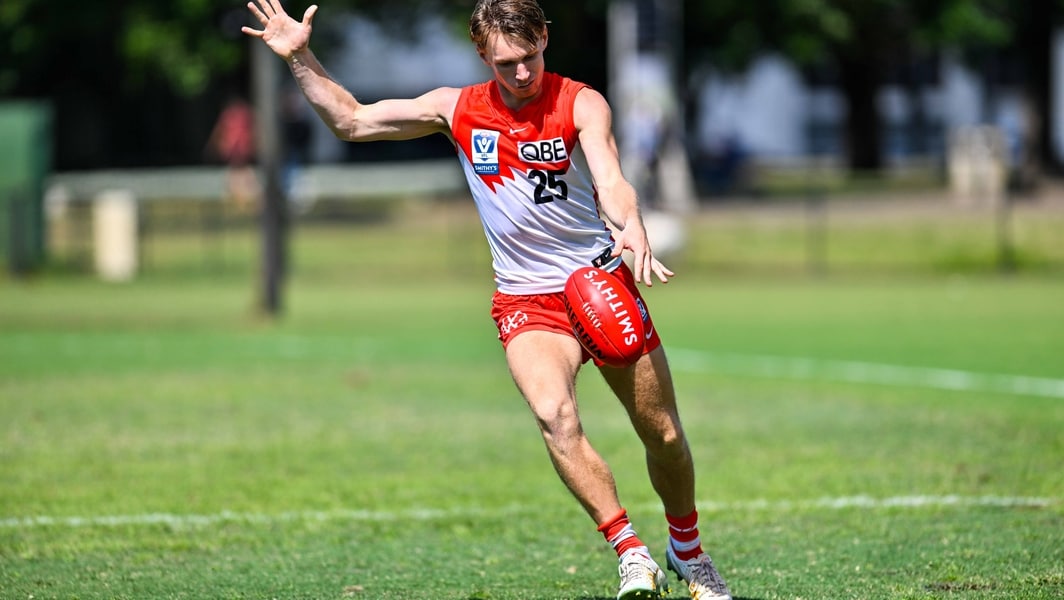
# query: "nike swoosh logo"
{"type": "Point", "coordinates": [513, 131]}
{"type": "Point", "coordinates": [650, 332]}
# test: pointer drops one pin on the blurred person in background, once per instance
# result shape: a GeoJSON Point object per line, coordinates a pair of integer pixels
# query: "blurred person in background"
{"type": "Point", "coordinates": [541, 162]}
{"type": "Point", "coordinates": [232, 141]}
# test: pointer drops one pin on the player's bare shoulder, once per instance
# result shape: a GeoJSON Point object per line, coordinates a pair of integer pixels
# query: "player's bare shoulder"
{"type": "Point", "coordinates": [591, 110]}
{"type": "Point", "coordinates": [404, 119]}
{"type": "Point", "coordinates": [443, 101]}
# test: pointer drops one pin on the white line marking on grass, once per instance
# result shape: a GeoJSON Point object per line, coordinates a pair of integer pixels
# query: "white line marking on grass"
{"type": "Point", "coordinates": [870, 502]}
{"type": "Point", "coordinates": [782, 367]}
{"type": "Point", "coordinates": [432, 514]}
{"type": "Point", "coordinates": [183, 520]}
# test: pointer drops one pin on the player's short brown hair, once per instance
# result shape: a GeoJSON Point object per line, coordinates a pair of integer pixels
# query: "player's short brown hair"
{"type": "Point", "coordinates": [521, 20]}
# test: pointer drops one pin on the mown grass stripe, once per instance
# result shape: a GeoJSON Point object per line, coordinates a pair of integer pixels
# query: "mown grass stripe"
{"type": "Point", "coordinates": [783, 367]}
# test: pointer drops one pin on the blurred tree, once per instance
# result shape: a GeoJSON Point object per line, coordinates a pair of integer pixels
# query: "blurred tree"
{"type": "Point", "coordinates": [1036, 21]}
{"type": "Point", "coordinates": [861, 41]}
{"type": "Point", "coordinates": [179, 41]}
{"type": "Point", "coordinates": [139, 82]}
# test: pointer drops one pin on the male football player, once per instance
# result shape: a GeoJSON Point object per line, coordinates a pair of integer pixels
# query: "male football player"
{"type": "Point", "coordinates": [541, 162]}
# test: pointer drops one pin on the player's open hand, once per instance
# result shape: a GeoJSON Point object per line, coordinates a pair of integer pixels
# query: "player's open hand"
{"type": "Point", "coordinates": [283, 34]}
{"type": "Point", "coordinates": [644, 265]}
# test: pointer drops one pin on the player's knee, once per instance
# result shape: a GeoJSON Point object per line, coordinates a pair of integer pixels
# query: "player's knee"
{"type": "Point", "coordinates": [667, 444]}
{"type": "Point", "coordinates": [559, 425]}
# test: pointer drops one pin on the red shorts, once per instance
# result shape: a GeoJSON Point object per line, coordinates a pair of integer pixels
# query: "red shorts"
{"type": "Point", "coordinates": [515, 314]}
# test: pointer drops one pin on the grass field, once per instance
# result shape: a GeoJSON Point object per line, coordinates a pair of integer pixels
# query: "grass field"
{"type": "Point", "coordinates": [862, 437]}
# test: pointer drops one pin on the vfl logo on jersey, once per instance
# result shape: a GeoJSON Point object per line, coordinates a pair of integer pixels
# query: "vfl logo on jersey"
{"type": "Point", "coordinates": [543, 151]}
{"type": "Point", "coordinates": [485, 152]}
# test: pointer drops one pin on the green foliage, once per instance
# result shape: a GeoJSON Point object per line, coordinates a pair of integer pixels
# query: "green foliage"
{"type": "Point", "coordinates": [180, 44]}
{"type": "Point", "coordinates": [168, 38]}
{"type": "Point", "coordinates": [963, 23]}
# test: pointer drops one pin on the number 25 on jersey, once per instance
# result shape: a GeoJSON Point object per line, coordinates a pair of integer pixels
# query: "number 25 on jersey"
{"type": "Point", "coordinates": [549, 185]}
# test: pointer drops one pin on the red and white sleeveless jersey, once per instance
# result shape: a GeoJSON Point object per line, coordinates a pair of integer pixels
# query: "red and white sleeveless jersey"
{"type": "Point", "coordinates": [531, 185]}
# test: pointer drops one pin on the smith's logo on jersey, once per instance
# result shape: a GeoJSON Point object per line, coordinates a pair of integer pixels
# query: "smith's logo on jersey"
{"type": "Point", "coordinates": [485, 152]}
{"type": "Point", "coordinates": [543, 151]}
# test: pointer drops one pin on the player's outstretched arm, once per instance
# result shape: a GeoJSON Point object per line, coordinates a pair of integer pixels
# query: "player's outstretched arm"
{"type": "Point", "coordinates": [290, 39]}
{"type": "Point", "coordinates": [620, 204]}
{"type": "Point", "coordinates": [348, 119]}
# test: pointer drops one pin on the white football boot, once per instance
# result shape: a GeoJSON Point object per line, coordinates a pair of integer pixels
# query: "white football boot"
{"type": "Point", "coordinates": [701, 577]}
{"type": "Point", "coordinates": [641, 577]}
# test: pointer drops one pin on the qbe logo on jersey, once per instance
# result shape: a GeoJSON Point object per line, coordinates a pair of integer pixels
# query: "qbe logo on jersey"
{"type": "Point", "coordinates": [485, 152]}
{"type": "Point", "coordinates": [543, 151]}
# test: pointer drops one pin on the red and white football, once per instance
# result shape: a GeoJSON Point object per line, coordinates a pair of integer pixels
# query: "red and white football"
{"type": "Point", "coordinates": [605, 316]}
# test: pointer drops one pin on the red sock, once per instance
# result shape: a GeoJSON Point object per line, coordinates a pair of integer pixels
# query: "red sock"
{"type": "Point", "coordinates": [683, 535]}
{"type": "Point", "coordinates": [619, 532]}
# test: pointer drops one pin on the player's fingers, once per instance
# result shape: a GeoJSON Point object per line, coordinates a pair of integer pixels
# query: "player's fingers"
{"type": "Point", "coordinates": [638, 265]}
{"type": "Point", "coordinates": [618, 244]}
{"type": "Point", "coordinates": [648, 266]}
{"type": "Point", "coordinates": [309, 15]}
{"type": "Point", "coordinates": [662, 271]}
{"type": "Point", "coordinates": [257, 12]}
{"type": "Point", "coordinates": [252, 32]}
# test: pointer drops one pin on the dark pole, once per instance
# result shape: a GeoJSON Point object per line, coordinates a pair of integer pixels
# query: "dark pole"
{"type": "Point", "coordinates": [265, 84]}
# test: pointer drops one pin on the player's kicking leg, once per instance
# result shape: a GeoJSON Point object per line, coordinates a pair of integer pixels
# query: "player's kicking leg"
{"type": "Point", "coordinates": [544, 367]}
{"type": "Point", "coordinates": [647, 393]}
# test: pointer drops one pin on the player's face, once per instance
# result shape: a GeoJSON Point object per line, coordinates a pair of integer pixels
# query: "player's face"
{"type": "Point", "coordinates": [518, 69]}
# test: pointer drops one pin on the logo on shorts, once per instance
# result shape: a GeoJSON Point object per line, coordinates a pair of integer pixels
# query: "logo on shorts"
{"type": "Point", "coordinates": [485, 152]}
{"type": "Point", "coordinates": [512, 321]}
{"type": "Point", "coordinates": [644, 314]}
